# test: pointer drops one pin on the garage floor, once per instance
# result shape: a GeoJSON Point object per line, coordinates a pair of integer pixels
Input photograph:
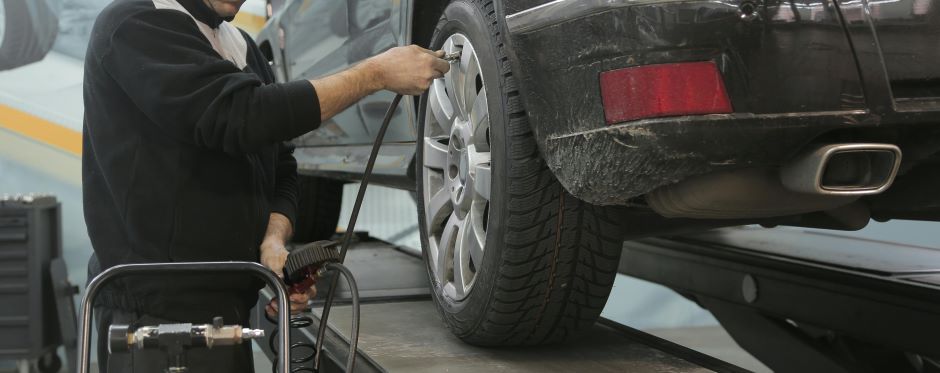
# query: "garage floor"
{"type": "Point", "coordinates": [410, 337]}
{"type": "Point", "coordinates": [404, 350]}
{"type": "Point", "coordinates": [407, 334]}
{"type": "Point", "coordinates": [710, 340]}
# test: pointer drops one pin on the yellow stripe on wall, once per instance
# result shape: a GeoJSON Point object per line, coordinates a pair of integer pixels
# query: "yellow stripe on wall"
{"type": "Point", "coordinates": [41, 130]}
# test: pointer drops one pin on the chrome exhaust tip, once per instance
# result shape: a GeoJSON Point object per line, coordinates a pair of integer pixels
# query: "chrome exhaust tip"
{"type": "Point", "coordinates": [843, 169]}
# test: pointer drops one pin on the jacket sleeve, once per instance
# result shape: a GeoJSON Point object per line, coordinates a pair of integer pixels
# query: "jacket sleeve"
{"type": "Point", "coordinates": [171, 73]}
{"type": "Point", "coordinates": [286, 187]}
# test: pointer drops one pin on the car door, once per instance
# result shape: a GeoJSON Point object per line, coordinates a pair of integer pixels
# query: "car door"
{"type": "Point", "coordinates": [316, 44]}
{"type": "Point", "coordinates": [375, 26]}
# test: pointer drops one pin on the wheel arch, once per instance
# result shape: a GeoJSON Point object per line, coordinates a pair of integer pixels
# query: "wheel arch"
{"type": "Point", "coordinates": [425, 15]}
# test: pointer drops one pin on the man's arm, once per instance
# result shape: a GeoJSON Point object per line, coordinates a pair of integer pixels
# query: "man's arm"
{"type": "Point", "coordinates": [273, 248]}
{"type": "Point", "coordinates": [280, 223]}
{"type": "Point", "coordinates": [406, 70]}
{"type": "Point", "coordinates": [178, 81]}
{"type": "Point", "coordinates": [283, 206]}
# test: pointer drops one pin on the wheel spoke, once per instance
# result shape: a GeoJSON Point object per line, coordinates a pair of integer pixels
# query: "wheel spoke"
{"type": "Point", "coordinates": [462, 274]}
{"type": "Point", "coordinates": [450, 79]}
{"type": "Point", "coordinates": [449, 46]}
{"type": "Point", "coordinates": [466, 54]}
{"type": "Point", "coordinates": [438, 207]}
{"type": "Point", "coordinates": [441, 106]}
{"type": "Point", "coordinates": [469, 69]}
{"type": "Point", "coordinates": [480, 120]}
{"type": "Point", "coordinates": [435, 154]}
{"type": "Point", "coordinates": [435, 256]}
{"type": "Point", "coordinates": [474, 239]}
{"type": "Point", "coordinates": [481, 179]}
{"type": "Point", "coordinates": [447, 248]}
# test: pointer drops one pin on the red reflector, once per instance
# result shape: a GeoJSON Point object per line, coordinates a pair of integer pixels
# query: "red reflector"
{"type": "Point", "coordinates": [663, 90]}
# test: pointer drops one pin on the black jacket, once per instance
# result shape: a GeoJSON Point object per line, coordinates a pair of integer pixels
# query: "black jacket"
{"type": "Point", "coordinates": [183, 157]}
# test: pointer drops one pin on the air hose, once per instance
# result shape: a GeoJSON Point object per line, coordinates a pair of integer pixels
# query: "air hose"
{"type": "Point", "coordinates": [323, 252]}
{"type": "Point", "coordinates": [347, 241]}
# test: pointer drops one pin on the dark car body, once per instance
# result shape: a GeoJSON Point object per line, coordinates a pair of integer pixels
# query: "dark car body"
{"type": "Point", "coordinates": [796, 73]}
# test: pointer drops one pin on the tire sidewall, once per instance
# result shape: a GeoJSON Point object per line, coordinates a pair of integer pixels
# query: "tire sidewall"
{"type": "Point", "coordinates": [467, 17]}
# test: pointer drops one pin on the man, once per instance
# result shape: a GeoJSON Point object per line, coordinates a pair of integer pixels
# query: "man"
{"type": "Point", "coordinates": [183, 160]}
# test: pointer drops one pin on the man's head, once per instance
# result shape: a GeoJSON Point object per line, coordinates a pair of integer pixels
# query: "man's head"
{"type": "Point", "coordinates": [224, 8]}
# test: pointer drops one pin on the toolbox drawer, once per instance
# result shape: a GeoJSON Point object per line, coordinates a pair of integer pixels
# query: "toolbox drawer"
{"type": "Point", "coordinates": [14, 332]}
{"type": "Point", "coordinates": [14, 274]}
{"type": "Point", "coordinates": [13, 229]}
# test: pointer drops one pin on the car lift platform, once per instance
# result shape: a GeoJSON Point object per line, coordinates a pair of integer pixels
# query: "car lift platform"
{"type": "Point", "coordinates": [797, 300]}
{"type": "Point", "coordinates": [805, 300]}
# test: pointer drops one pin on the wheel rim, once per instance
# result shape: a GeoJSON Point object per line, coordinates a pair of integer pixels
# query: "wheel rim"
{"type": "Point", "coordinates": [456, 177]}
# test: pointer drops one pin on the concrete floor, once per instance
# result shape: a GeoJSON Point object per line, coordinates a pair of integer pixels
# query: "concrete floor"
{"type": "Point", "coordinates": [710, 340]}
{"type": "Point", "coordinates": [410, 337]}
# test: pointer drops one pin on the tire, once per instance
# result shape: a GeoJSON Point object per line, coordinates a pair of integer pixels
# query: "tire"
{"type": "Point", "coordinates": [317, 209]}
{"type": "Point", "coordinates": [548, 260]}
{"type": "Point", "coordinates": [28, 29]}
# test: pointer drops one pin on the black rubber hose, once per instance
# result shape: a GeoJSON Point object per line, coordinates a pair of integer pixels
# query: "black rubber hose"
{"type": "Point", "coordinates": [347, 239]}
{"type": "Point", "coordinates": [350, 227]}
{"type": "Point", "coordinates": [354, 329]}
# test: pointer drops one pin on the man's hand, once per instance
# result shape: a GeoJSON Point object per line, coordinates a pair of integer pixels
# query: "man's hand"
{"type": "Point", "coordinates": [274, 255]}
{"type": "Point", "coordinates": [298, 303]}
{"type": "Point", "coordinates": [408, 70]}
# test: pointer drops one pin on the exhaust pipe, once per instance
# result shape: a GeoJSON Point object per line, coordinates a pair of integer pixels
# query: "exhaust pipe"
{"type": "Point", "coordinates": [824, 178]}
{"type": "Point", "coordinates": [843, 169]}
{"type": "Point", "coordinates": [738, 194]}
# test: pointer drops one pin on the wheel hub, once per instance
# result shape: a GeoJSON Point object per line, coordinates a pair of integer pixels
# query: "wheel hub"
{"type": "Point", "coordinates": [456, 171]}
{"type": "Point", "coordinates": [459, 158]}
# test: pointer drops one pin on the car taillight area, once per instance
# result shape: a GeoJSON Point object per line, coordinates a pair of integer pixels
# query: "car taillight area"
{"type": "Point", "coordinates": [663, 90]}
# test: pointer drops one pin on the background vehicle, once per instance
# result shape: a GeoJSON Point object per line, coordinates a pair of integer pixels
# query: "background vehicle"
{"type": "Point", "coordinates": [28, 29]}
{"type": "Point", "coordinates": [568, 126]}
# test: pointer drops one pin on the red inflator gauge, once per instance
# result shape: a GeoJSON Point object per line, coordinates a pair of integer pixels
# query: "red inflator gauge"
{"type": "Point", "coordinates": [305, 264]}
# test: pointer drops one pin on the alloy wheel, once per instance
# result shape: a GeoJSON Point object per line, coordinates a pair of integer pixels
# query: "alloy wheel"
{"type": "Point", "coordinates": [456, 177]}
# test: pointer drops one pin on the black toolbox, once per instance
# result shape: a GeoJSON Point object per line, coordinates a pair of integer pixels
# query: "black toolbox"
{"type": "Point", "coordinates": [30, 239]}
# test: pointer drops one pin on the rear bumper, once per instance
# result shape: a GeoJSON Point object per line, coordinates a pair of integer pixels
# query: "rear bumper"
{"type": "Point", "coordinates": [790, 74]}
{"type": "Point", "coordinates": [616, 163]}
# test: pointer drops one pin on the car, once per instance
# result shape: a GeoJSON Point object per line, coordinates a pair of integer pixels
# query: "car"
{"type": "Point", "coordinates": [568, 126]}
